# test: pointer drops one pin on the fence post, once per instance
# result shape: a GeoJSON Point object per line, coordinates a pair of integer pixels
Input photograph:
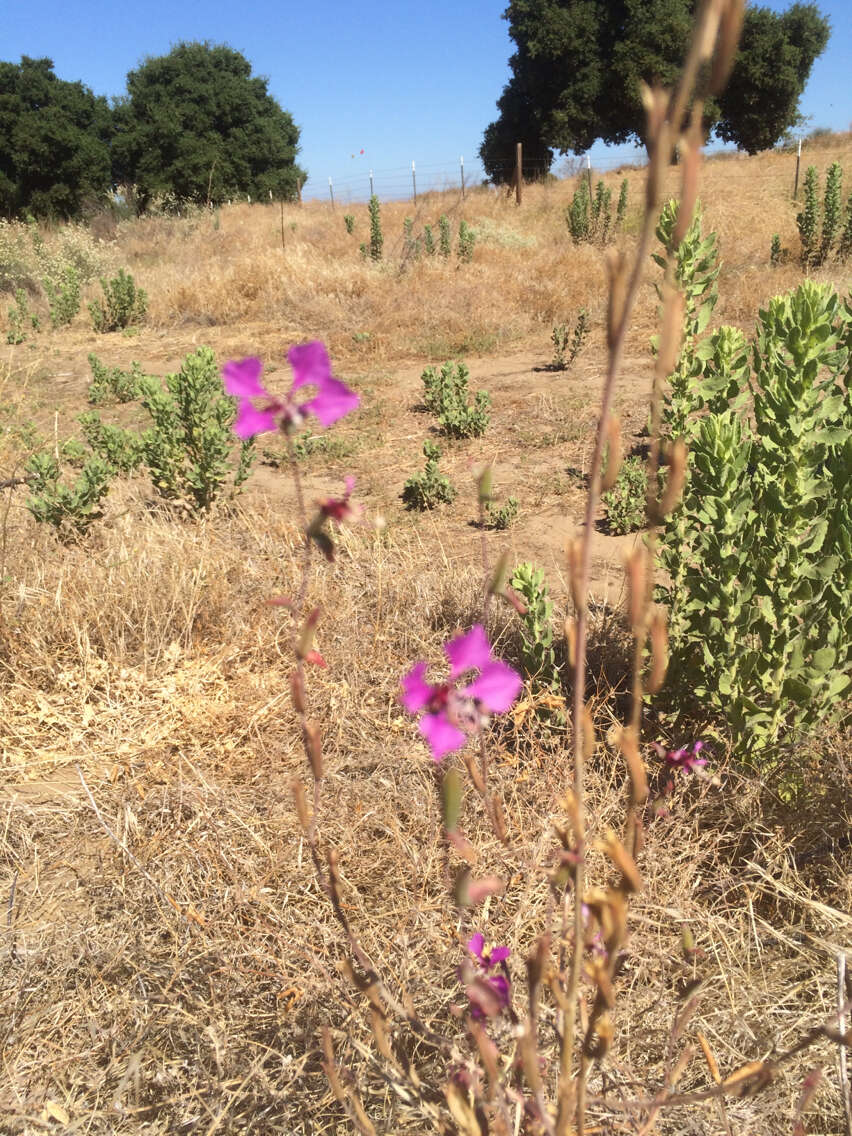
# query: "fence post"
{"type": "Point", "coordinates": [589, 172]}
{"type": "Point", "coordinates": [414, 182]}
{"type": "Point", "coordinates": [798, 160]}
{"type": "Point", "coordinates": [461, 163]}
{"type": "Point", "coordinates": [372, 194]}
{"type": "Point", "coordinates": [519, 165]}
{"type": "Point", "coordinates": [331, 192]}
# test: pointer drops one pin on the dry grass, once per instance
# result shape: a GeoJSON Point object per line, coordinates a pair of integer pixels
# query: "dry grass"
{"type": "Point", "coordinates": [173, 974]}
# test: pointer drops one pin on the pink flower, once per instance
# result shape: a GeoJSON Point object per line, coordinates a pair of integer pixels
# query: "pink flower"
{"type": "Point", "coordinates": [453, 713]}
{"type": "Point", "coordinates": [489, 993]}
{"type": "Point", "coordinates": [685, 760]}
{"type": "Point", "coordinates": [339, 508]}
{"type": "Point", "coordinates": [311, 367]}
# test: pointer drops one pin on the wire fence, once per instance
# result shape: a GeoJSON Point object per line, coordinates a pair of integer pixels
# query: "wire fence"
{"type": "Point", "coordinates": [407, 183]}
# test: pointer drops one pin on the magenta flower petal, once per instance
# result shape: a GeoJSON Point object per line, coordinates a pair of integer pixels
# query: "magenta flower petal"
{"type": "Point", "coordinates": [310, 364]}
{"type": "Point", "coordinates": [443, 737]}
{"type": "Point", "coordinates": [416, 692]}
{"type": "Point", "coordinates": [243, 379]}
{"type": "Point", "coordinates": [496, 687]}
{"type": "Point", "coordinates": [475, 944]}
{"type": "Point", "coordinates": [333, 401]}
{"type": "Point", "coordinates": [250, 421]}
{"type": "Point", "coordinates": [498, 955]}
{"type": "Point", "coordinates": [468, 652]}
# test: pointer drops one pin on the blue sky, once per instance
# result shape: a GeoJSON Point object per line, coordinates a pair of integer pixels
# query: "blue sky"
{"type": "Point", "coordinates": [401, 81]}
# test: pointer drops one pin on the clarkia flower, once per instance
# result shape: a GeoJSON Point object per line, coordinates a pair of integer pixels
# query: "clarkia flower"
{"type": "Point", "coordinates": [685, 760]}
{"type": "Point", "coordinates": [337, 509]}
{"type": "Point", "coordinates": [454, 713]}
{"type": "Point", "coordinates": [489, 992]}
{"type": "Point", "coordinates": [311, 367]}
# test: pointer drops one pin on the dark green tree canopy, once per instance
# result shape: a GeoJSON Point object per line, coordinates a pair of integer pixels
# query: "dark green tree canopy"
{"type": "Point", "coordinates": [578, 66]}
{"type": "Point", "coordinates": [197, 124]}
{"type": "Point", "coordinates": [54, 142]}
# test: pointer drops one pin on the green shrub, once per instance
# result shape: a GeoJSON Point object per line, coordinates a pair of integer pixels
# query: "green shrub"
{"type": "Point", "coordinates": [775, 250]}
{"type": "Point", "coordinates": [590, 218]}
{"type": "Point", "coordinates": [121, 449]}
{"type": "Point", "coordinates": [429, 488]}
{"type": "Point", "coordinates": [189, 448]}
{"type": "Point", "coordinates": [428, 240]}
{"type": "Point", "coordinates": [621, 208]}
{"type": "Point", "coordinates": [63, 296]}
{"type": "Point", "coordinates": [21, 319]}
{"type": "Point", "coordinates": [113, 383]}
{"type": "Point", "coordinates": [832, 211]}
{"type": "Point", "coordinates": [71, 509]}
{"type": "Point", "coordinates": [467, 240]}
{"type": "Point", "coordinates": [376, 238]}
{"type": "Point", "coordinates": [501, 516]}
{"type": "Point", "coordinates": [625, 502]}
{"type": "Point", "coordinates": [123, 304]}
{"type": "Point", "coordinates": [565, 353]}
{"type": "Point", "coordinates": [538, 657]}
{"type": "Point", "coordinates": [444, 240]}
{"type": "Point", "coordinates": [446, 394]}
{"type": "Point", "coordinates": [349, 222]}
{"type": "Point", "coordinates": [808, 220]}
{"type": "Point", "coordinates": [759, 555]}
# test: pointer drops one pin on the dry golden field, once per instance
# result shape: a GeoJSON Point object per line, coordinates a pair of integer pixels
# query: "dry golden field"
{"type": "Point", "coordinates": [167, 959]}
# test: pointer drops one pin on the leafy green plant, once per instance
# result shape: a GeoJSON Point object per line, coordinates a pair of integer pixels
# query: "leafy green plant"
{"type": "Point", "coordinates": [590, 218]}
{"type": "Point", "coordinates": [410, 246]}
{"type": "Point", "coordinates": [74, 452]}
{"type": "Point", "coordinates": [428, 240]}
{"type": "Point", "coordinates": [21, 319]}
{"type": "Point", "coordinates": [832, 210]}
{"type": "Point", "coordinates": [844, 249]}
{"type": "Point", "coordinates": [444, 239]}
{"type": "Point", "coordinates": [430, 487]}
{"type": "Point", "coordinates": [467, 239]}
{"type": "Point", "coordinates": [110, 383]}
{"type": "Point", "coordinates": [775, 250]}
{"type": "Point", "coordinates": [501, 516]}
{"type": "Point", "coordinates": [189, 447]}
{"type": "Point", "coordinates": [577, 214]}
{"type": "Point", "coordinates": [758, 555]}
{"type": "Point", "coordinates": [808, 220]}
{"type": "Point", "coordinates": [349, 222]}
{"type": "Point", "coordinates": [121, 449]}
{"type": "Point", "coordinates": [445, 393]}
{"type": "Point", "coordinates": [538, 657]}
{"type": "Point", "coordinates": [71, 509]}
{"type": "Point", "coordinates": [565, 352]}
{"type": "Point", "coordinates": [621, 208]}
{"type": "Point", "coordinates": [625, 502]}
{"type": "Point", "coordinates": [63, 296]}
{"type": "Point", "coordinates": [377, 239]}
{"type": "Point", "coordinates": [123, 304]}
{"type": "Point", "coordinates": [696, 269]}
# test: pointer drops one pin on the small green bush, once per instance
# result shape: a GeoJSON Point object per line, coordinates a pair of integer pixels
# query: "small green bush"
{"type": "Point", "coordinates": [625, 502]}
{"type": "Point", "coordinates": [428, 240]}
{"type": "Point", "coordinates": [445, 393]}
{"type": "Point", "coordinates": [111, 383]}
{"type": "Point", "coordinates": [349, 222]}
{"type": "Point", "coordinates": [429, 488]}
{"type": "Point", "coordinates": [71, 509]}
{"type": "Point", "coordinates": [377, 239]}
{"type": "Point", "coordinates": [63, 296]}
{"type": "Point", "coordinates": [444, 240]}
{"type": "Point", "coordinates": [467, 240]}
{"type": "Point", "coordinates": [121, 449]}
{"type": "Point", "coordinates": [189, 447]}
{"type": "Point", "coordinates": [21, 319]}
{"type": "Point", "coordinates": [501, 516]}
{"type": "Point", "coordinates": [123, 304]}
{"type": "Point", "coordinates": [565, 353]}
{"type": "Point", "coordinates": [538, 657]}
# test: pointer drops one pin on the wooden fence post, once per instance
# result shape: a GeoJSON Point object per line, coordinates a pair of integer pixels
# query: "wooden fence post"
{"type": "Point", "coordinates": [414, 182]}
{"type": "Point", "coordinates": [519, 166]}
{"type": "Point", "coordinates": [798, 160]}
